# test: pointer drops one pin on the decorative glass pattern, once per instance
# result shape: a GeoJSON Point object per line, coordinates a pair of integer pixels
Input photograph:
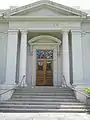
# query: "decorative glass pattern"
{"type": "Point", "coordinates": [44, 54]}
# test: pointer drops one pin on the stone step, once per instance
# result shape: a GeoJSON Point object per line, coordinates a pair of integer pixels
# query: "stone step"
{"type": "Point", "coordinates": [28, 93]}
{"type": "Point", "coordinates": [44, 92]}
{"type": "Point", "coordinates": [51, 100]}
{"type": "Point", "coordinates": [44, 87]}
{"type": "Point", "coordinates": [41, 103]}
{"type": "Point", "coordinates": [43, 97]}
{"type": "Point", "coordinates": [40, 89]}
{"type": "Point", "coordinates": [35, 110]}
{"type": "Point", "coordinates": [44, 106]}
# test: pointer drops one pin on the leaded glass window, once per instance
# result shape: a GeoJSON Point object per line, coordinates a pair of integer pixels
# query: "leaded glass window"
{"type": "Point", "coordinates": [44, 54]}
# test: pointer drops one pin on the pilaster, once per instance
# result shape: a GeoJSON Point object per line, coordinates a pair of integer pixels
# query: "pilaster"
{"type": "Point", "coordinates": [11, 57]}
{"type": "Point", "coordinates": [77, 57]}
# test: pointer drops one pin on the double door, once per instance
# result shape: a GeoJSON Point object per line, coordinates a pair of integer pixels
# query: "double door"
{"type": "Point", "coordinates": [44, 72]}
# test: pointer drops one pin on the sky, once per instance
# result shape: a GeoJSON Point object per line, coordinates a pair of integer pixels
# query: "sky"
{"type": "Point", "coordinates": [84, 4]}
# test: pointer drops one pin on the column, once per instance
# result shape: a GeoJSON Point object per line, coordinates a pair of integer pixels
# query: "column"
{"type": "Point", "coordinates": [77, 57]}
{"type": "Point", "coordinates": [11, 57]}
{"type": "Point", "coordinates": [55, 68]}
{"type": "Point", "coordinates": [66, 57]}
{"type": "Point", "coordinates": [23, 55]}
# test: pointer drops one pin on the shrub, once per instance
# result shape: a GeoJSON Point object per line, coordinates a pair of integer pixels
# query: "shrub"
{"type": "Point", "coordinates": [87, 90]}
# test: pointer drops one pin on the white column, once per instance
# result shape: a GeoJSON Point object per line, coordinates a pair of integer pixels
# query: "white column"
{"type": "Point", "coordinates": [66, 57]}
{"type": "Point", "coordinates": [59, 69]}
{"type": "Point", "coordinates": [11, 57]}
{"type": "Point", "coordinates": [34, 67]}
{"type": "Point", "coordinates": [23, 54]}
{"type": "Point", "coordinates": [55, 77]}
{"type": "Point", "coordinates": [77, 57]}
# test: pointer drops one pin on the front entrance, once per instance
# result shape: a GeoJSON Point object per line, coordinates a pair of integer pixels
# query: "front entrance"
{"type": "Point", "coordinates": [44, 70]}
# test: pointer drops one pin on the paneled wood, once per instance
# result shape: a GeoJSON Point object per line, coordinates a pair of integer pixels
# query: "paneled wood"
{"type": "Point", "coordinates": [44, 72]}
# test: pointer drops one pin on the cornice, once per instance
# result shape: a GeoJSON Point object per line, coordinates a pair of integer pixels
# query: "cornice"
{"type": "Point", "coordinates": [48, 3]}
{"type": "Point", "coordinates": [44, 18]}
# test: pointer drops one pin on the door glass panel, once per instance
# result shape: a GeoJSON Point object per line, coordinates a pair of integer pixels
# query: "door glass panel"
{"type": "Point", "coordinates": [40, 65]}
{"type": "Point", "coordinates": [49, 65]}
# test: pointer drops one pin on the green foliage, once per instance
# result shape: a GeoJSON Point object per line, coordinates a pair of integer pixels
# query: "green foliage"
{"type": "Point", "coordinates": [87, 90]}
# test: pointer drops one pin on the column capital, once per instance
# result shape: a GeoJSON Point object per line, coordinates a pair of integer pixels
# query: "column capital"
{"type": "Point", "coordinates": [24, 31]}
{"type": "Point", "coordinates": [65, 31]}
{"type": "Point", "coordinates": [83, 33]}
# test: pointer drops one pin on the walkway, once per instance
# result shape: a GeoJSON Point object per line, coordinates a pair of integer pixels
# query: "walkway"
{"type": "Point", "coordinates": [44, 116]}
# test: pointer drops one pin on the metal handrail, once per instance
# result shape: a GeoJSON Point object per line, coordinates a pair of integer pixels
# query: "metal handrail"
{"type": "Point", "coordinates": [19, 85]}
{"type": "Point", "coordinates": [64, 81]}
{"type": "Point", "coordinates": [22, 81]}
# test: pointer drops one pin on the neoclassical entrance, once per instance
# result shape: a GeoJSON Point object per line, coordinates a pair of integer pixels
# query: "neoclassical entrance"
{"type": "Point", "coordinates": [44, 67]}
{"type": "Point", "coordinates": [44, 70]}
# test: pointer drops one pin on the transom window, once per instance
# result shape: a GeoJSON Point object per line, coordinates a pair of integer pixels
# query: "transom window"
{"type": "Point", "coordinates": [44, 54]}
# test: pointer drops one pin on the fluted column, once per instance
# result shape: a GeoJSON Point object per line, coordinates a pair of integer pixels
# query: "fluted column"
{"type": "Point", "coordinates": [23, 54]}
{"type": "Point", "coordinates": [66, 56]}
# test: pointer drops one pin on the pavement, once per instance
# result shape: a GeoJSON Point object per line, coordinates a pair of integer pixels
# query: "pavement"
{"type": "Point", "coordinates": [44, 116]}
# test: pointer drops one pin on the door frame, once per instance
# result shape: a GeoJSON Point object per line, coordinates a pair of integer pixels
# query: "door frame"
{"type": "Point", "coordinates": [55, 76]}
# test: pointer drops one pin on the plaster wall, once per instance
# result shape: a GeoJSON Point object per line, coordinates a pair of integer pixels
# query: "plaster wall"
{"type": "Point", "coordinates": [3, 50]}
{"type": "Point", "coordinates": [86, 53]}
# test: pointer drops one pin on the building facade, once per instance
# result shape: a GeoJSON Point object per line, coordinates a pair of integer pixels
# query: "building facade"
{"type": "Point", "coordinates": [47, 42]}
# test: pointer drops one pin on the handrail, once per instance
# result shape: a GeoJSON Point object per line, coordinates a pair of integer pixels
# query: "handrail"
{"type": "Point", "coordinates": [22, 81]}
{"type": "Point", "coordinates": [14, 86]}
{"type": "Point", "coordinates": [64, 81]}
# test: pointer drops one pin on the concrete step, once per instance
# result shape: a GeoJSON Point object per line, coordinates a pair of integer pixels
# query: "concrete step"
{"type": "Point", "coordinates": [41, 103]}
{"type": "Point", "coordinates": [44, 91]}
{"type": "Point", "coordinates": [35, 110]}
{"type": "Point", "coordinates": [45, 106]}
{"type": "Point", "coordinates": [43, 94]}
{"type": "Point", "coordinates": [51, 100]}
{"type": "Point", "coordinates": [43, 97]}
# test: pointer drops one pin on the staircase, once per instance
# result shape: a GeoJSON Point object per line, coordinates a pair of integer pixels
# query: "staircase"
{"type": "Point", "coordinates": [43, 99]}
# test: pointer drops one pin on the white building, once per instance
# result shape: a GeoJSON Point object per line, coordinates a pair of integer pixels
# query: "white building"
{"type": "Point", "coordinates": [46, 42]}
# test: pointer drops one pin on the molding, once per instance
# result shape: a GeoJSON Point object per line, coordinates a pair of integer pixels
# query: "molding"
{"type": "Point", "coordinates": [76, 30]}
{"type": "Point", "coordinates": [13, 30]}
{"type": "Point", "coordinates": [47, 3]}
{"type": "Point", "coordinates": [44, 43]}
{"type": "Point", "coordinates": [44, 18]}
{"type": "Point", "coordinates": [34, 39]}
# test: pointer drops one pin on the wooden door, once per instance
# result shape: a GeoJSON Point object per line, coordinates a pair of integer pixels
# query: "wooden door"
{"type": "Point", "coordinates": [44, 71]}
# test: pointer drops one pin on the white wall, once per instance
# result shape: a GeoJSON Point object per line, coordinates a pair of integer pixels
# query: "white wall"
{"type": "Point", "coordinates": [3, 49]}
{"type": "Point", "coordinates": [86, 53]}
